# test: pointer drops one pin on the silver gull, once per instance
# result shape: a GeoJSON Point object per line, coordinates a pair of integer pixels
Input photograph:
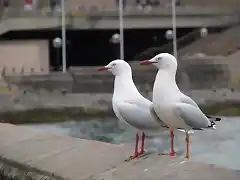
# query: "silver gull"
{"type": "Point", "coordinates": [130, 106]}
{"type": "Point", "coordinates": [173, 107]}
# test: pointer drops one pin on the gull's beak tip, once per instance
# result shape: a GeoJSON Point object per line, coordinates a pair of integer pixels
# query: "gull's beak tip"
{"type": "Point", "coordinates": [145, 62]}
{"type": "Point", "coordinates": [102, 69]}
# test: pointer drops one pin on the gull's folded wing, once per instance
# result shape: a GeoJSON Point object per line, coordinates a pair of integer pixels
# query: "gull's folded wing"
{"type": "Point", "coordinates": [137, 116]}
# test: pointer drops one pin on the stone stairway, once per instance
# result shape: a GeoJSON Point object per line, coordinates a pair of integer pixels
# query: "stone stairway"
{"type": "Point", "coordinates": [217, 44]}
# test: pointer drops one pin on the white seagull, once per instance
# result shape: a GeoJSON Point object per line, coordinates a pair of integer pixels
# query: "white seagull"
{"type": "Point", "coordinates": [130, 106]}
{"type": "Point", "coordinates": [173, 107]}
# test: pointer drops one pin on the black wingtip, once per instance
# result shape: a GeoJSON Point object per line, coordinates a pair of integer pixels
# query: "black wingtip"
{"type": "Point", "coordinates": [214, 118]}
{"type": "Point", "coordinates": [218, 119]}
{"type": "Point", "coordinates": [213, 125]}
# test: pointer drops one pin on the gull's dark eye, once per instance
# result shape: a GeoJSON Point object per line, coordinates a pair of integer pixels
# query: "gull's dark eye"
{"type": "Point", "coordinates": [159, 58]}
{"type": "Point", "coordinates": [114, 64]}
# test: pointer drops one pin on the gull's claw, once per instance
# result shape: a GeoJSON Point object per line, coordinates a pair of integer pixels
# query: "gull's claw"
{"type": "Point", "coordinates": [163, 154]}
{"type": "Point", "coordinates": [129, 159]}
{"type": "Point", "coordinates": [137, 156]}
{"type": "Point", "coordinates": [132, 157]}
{"type": "Point", "coordinates": [143, 155]}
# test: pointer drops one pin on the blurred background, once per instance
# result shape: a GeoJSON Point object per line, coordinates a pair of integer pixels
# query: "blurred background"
{"type": "Point", "coordinates": [52, 47]}
{"type": "Point", "coordinates": [95, 26]}
{"type": "Point", "coordinates": [50, 50]}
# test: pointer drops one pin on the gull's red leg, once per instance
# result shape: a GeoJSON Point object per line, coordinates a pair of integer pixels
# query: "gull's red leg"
{"type": "Point", "coordinates": [172, 153]}
{"type": "Point", "coordinates": [187, 146]}
{"type": "Point", "coordinates": [136, 154]}
{"type": "Point", "coordinates": [142, 145]}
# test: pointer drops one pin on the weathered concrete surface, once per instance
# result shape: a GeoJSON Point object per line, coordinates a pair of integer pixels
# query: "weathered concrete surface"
{"type": "Point", "coordinates": [63, 157]}
{"type": "Point", "coordinates": [87, 80]}
{"type": "Point", "coordinates": [163, 168]}
{"type": "Point", "coordinates": [66, 157]}
{"type": "Point", "coordinates": [24, 101]}
{"type": "Point", "coordinates": [85, 87]}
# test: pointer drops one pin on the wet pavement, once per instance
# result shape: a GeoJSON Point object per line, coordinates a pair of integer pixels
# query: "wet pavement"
{"type": "Point", "coordinates": [220, 146]}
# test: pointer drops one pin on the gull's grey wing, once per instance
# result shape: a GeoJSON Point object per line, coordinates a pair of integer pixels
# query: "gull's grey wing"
{"type": "Point", "coordinates": [154, 115]}
{"type": "Point", "coordinates": [192, 115]}
{"type": "Point", "coordinates": [137, 116]}
{"type": "Point", "coordinates": [188, 100]}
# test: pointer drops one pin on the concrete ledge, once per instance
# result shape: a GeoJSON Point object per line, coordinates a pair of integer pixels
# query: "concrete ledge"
{"type": "Point", "coordinates": [12, 170]}
{"type": "Point", "coordinates": [50, 154]}
{"type": "Point", "coordinates": [31, 153]}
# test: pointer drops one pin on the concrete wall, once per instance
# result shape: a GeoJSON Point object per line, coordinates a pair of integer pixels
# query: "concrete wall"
{"type": "Point", "coordinates": [220, 3]}
{"type": "Point", "coordinates": [110, 4]}
{"type": "Point", "coordinates": [195, 73]}
{"type": "Point", "coordinates": [206, 72]}
{"type": "Point", "coordinates": [30, 55]}
{"type": "Point", "coordinates": [85, 87]}
{"type": "Point", "coordinates": [234, 64]}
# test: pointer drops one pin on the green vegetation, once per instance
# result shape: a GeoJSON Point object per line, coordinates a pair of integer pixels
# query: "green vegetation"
{"type": "Point", "coordinates": [80, 113]}
{"type": "Point", "coordinates": [53, 115]}
{"type": "Point", "coordinates": [4, 89]}
{"type": "Point", "coordinates": [230, 108]}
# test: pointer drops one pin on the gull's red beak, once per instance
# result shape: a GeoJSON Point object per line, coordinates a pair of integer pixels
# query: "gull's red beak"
{"type": "Point", "coordinates": [145, 62]}
{"type": "Point", "coordinates": [102, 69]}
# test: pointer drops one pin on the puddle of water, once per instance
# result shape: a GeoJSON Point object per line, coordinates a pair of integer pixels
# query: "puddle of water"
{"type": "Point", "coordinates": [109, 130]}
{"type": "Point", "coordinates": [216, 147]}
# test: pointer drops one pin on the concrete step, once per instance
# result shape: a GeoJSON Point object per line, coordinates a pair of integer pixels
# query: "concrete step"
{"type": "Point", "coordinates": [34, 152]}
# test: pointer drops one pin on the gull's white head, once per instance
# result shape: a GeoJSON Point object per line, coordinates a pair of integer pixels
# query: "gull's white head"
{"type": "Point", "coordinates": [117, 67]}
{"type": "Point", "coordinates": [162, 61]}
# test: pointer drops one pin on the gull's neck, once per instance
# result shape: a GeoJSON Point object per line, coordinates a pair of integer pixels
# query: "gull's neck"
{"type": "Point", "coordinates": [165, 86]}
{"type": "Point", "coordinates": [124, 87]}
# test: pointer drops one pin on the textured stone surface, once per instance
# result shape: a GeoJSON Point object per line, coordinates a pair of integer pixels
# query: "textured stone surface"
{"type": "Point", "coordinates": [88, 80]}
{"type": "Point", "coordinates": [40, 154]}
{"type": "Point", "coordinates": [155, 167]}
